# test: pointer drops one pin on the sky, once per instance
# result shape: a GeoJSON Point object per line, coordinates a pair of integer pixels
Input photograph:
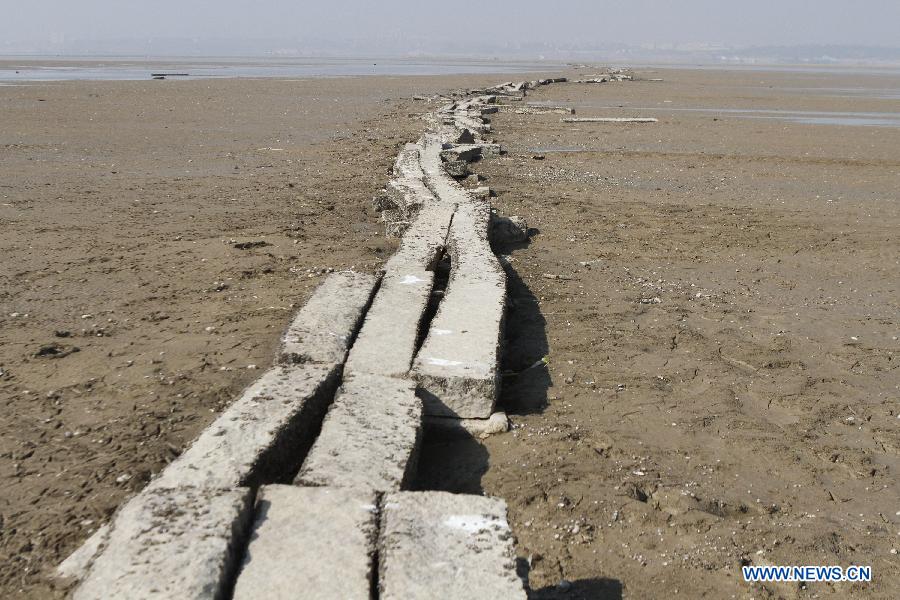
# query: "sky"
{"type": "Point", "coordinates": [40, 24]}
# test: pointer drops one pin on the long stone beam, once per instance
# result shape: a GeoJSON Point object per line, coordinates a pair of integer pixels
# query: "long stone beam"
{"type": "Point", "coordinates": [264, 435]}
{"type": "Point", "coordinates": [312, 543]}
{"type": "Point", "coordinates": [424, 242]}
{"type": "Point", "coordinates": [406, 191]}
{"type": "Point", "coordinates": [322, 543]}
{"type": "Point", "coordinates": [609, 120]}
{"type": "Point", "coordinates": [369, 439]}
{"type": "Point", "coordinates": [179, 538]}
{"type": "Point", "coordinates": [457, 367]}
{"type": "Point", "coordinates": [323, 329]}
{"type": "Point", "coordinates": [177, 544]}
{"type": "Point", "coordinates": [386, 343]}
{"type": "Point", "coordinates": [451, 546]}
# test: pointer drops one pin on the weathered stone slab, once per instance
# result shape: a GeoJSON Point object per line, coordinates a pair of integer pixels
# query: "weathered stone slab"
{"type": "Point", "coordinates": [463, 152]}
{"type": "Point", "coordinates": [482, 192]}
{"type": "Point", "coordinates": [610, 120]}
{"type": "Point", "coordinates": [457, 367]}
{"type": "Point", "coordinates": [424, 242]}
{"type": "Point", "coordinates": [311, 543]}
{"type": "Point", "coordinates": [470, 152]}
{"type": "Point", "coordinates": [450, 546]}
{"type": "Point", "coordinates": [543, 110]}
{"type": "Point", "coordinates": [407, 163]}
{"type": "Point", "coordinates": [77, 564]}
{"type": "Point", "coordinates": [508, 230]}
{"type": "Point", "coordinates": [491, 150]}
{"type": "Point", "coordinates": [457, 168]}
{"type": "Point", "coordinates": [511, 89]}
{"type": "Point", "coordinates": [481, 428]}
{"type": "Point", "coordinates": [171, 544]}
{"type": "Point", "coordinates": [369, 439]}
{"type": "Point", "coordinates": [322, 330]}
{"type": "Point", "coordinates": [407, 190]}
{"type": "Point", "coordinates": [470, 123]}
{"type": "Point", "coordinates": [442, 185]}
{"type": "Point", "coordinates": [405, 194]}
{"type": "Point", "coordinates": [263, 436]}
{"type": "Point", "coordinates": [387, 341]}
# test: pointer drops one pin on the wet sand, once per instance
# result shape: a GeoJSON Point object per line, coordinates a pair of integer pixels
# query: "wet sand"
{"type": "Point", "coordinates": [717, 297]}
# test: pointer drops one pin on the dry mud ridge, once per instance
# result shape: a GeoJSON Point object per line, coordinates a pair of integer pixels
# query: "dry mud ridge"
{"type": "Point", "coordinates": [366, 363]}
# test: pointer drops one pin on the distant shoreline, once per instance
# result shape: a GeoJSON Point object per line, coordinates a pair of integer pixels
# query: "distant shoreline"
{"type": "Point", "coordinates": [34, 68]}
{"type": "Point", "coordinates": [46, 69]}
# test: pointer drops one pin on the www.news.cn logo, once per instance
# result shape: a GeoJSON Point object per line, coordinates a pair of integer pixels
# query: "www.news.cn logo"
{"type": "Point", "coordinates": [807, 573]}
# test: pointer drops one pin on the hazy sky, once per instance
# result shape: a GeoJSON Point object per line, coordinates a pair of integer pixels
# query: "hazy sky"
{"type": "Point", "coordinates": [734, 22]}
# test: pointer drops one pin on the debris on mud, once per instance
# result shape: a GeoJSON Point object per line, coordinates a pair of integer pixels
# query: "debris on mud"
{"type": "Point", "coordinates": [55, 351]}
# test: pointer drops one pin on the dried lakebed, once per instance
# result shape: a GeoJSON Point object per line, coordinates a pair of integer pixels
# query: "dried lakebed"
{"type": "Point", "coordinates": [391, 354]}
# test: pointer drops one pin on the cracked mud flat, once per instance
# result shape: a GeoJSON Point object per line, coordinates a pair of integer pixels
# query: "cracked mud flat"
{"type": "Point", "coordinates": [719, 302]}
{"type": "Point", "coordinates": [167, 231]}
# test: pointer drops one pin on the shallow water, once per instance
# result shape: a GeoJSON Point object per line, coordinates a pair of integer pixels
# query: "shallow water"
{"type": "Point", "coordinates": [808, 69]}
{"type": "Point", "coordinates": [854, 121]}
{"type": "Point", "coordinates": [806, 117]}
{"type": "Point", "coordinates": [118, 70]}
{"type": "Point", "coordinates": [844, 92]}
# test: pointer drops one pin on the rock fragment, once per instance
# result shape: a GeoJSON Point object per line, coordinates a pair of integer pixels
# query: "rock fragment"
{"type": "Point", "coordinates": [508, 230]}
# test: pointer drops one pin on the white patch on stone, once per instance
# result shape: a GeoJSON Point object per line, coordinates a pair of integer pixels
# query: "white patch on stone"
{"type": "Point", "coordinates": [442, 331]}
{"type": "Point", "coordinates": [443, 362]}
{"type": "Point", "coordinates": [410, 280]}
{"type": "Point", "coordinates": [472, 523]}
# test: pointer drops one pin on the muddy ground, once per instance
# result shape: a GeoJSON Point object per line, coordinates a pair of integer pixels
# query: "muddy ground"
{"type": "Point", "coordinates": [716, 297]}
{"type": "Point", "coordinates": [718, 300]}
{"type": "Point", "coordinates": [156, 237]}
